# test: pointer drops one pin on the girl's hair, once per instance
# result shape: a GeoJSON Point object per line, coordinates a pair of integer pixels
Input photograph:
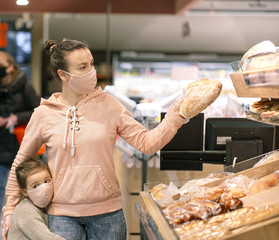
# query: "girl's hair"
{"type": "Point", "coordinates": [58, 53]}
{"type": "Point", "coordinates": [11, 61]}
{"type": "Point", "coordinates": [27, 168]}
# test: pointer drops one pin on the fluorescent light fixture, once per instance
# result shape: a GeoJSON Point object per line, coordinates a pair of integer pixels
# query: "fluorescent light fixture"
{"type": "Point", "coordinates": [22, 2]}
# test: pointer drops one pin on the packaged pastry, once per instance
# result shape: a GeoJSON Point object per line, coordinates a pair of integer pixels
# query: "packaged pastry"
{"type": "Point", "coordinates": [264, 183]}
{"type": "Point", "coordinates": [219, 174]}
{"type": "Point", "coordinates": [156, 191]}
{"type": "Point", "coordinates": [271, 157]}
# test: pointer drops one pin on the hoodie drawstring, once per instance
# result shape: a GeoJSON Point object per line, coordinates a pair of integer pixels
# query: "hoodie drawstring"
{"type": "Point", "coordinates": [73, 109]}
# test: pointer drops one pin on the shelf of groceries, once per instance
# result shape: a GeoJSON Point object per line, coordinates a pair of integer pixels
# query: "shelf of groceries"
{"type": "Point", "coordinates": [240, 202]}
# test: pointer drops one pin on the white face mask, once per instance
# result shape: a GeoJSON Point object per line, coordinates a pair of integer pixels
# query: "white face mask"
{"type": "Point", "coordinates": [42, 195]}
{"type": "Point", "coordinates": [83, 84]}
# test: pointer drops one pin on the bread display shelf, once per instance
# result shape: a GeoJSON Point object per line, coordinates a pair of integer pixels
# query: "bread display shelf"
{"type": "Point", "coordinates": [266, 229]}
{"type": "Point", "coordinates": [267, 90]}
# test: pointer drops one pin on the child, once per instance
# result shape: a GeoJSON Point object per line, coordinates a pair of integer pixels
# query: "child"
{"type": "Point", "coordinates": [29, 220]}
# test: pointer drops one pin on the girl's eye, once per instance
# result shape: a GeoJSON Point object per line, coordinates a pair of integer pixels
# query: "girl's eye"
{"type": "Point", "coordinates": [47, 181]}
{"type": "Point", "coordinates": [36, 185]}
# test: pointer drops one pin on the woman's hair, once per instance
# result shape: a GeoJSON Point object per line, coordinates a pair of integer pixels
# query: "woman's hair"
{"type": "Point", "coordinates": [27, 168]}
{"type": "Point", "coordinates": [58, 53]}
{"type": "Point", "coordinates": [11, 61]}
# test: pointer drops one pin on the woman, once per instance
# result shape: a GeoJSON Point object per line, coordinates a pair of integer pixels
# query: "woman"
{"type": "Point", "coordinates": [17, 102]}
{"type": "Point", "coordinates": [79, 126]}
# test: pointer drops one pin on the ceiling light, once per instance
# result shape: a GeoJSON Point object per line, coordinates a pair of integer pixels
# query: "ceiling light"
{"type": "Point", "coordinates": [22, 2]}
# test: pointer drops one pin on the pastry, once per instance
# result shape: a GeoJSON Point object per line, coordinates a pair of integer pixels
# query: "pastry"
{"type": "Point", "coordinates": [264, 183]}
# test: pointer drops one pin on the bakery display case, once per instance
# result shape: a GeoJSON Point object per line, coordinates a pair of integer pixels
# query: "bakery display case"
{"type": "Point", "coordinates": [257, 217]}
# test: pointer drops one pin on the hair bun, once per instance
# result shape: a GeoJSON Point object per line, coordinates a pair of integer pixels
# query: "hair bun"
{"type": "Point", "coordinates": [50, 45]}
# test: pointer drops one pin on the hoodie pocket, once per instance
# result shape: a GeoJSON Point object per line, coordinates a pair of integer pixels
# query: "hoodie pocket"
{"type": "Point", "coordinates": [82, 185]}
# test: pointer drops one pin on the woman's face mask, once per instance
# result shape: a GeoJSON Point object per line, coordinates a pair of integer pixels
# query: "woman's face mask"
{"type": "Point", "coordinates": [3, 72]}
{"type": "Point", "coordinates": [83, 84]}
{"type": "Point", "coordinates": [42, 195]}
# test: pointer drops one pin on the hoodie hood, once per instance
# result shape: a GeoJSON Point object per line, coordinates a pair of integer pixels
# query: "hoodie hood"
{"type": "Point", "coordinates": [52, 101]}
{"type": "Point", "coordinates": [71, 113]}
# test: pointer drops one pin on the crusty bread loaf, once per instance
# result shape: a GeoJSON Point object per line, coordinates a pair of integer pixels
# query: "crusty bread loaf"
{"type": "Point", "coordinates": [264, 183]}
{"type": "Point", "coordinates": [198, 96]}
{"type": "Point", "coordinates": [260, 48]}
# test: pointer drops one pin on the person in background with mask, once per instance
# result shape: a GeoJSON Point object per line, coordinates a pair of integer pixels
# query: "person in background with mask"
{"type": "Point", "coordinates": [29, 220]}
{"type": "Point", "coordinates": [80, 126]}
{"type": "Point", "coordinates": [17, 101]}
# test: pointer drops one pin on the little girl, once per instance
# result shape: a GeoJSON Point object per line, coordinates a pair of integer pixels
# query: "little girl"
{"type": "Point", "coordinates": [29, 220]}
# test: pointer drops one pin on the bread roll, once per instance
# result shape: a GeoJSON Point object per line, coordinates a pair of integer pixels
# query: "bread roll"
{"type": "Point", "coordinates": [264, 183]}
{"type": "Point", "coordinates": [198, 96]}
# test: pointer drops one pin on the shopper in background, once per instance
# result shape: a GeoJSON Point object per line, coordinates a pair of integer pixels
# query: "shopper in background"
{"type": "Point", "coordinates": [80, 126]}
{"type": "Point", "coordinates": [17, 101]}
{"type": "Point", "coordinates": [29, 220]}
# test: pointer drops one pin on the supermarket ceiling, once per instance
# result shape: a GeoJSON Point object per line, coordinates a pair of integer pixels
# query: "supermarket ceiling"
{"type": "Point", "coordinates": [138, 6]}
{"type": "Point", "coordinates": [214, 26]}
{"type": "Point", "coordinates": [100, 6]}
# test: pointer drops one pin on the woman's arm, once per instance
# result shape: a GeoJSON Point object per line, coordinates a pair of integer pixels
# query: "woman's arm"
{"type": "Point", "coordinates": [31, 143]}
{"type": "Point", "coordinates": [150, 141]}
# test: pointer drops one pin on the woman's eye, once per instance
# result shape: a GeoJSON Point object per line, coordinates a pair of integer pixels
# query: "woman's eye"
{"type": "Point", "coordinates": [47, 181]}
{"type": "Point", "coordinates": [36, 185]}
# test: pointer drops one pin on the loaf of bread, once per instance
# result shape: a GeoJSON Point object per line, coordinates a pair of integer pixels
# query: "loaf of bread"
{"type": "Point", "coordinates": [198, 96]}
{"type": "Point", "coordinates": [260, 48]}
{"type": "Point", "coordinates": [264, 183]}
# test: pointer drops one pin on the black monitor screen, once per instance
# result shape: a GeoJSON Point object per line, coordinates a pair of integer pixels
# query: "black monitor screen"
{"type": "Point", "coordinates": [241, 135]}
{"type": "Point", "coordinates": [188, 137]}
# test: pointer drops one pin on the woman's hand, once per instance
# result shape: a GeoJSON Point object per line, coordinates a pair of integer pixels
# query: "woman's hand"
{"type": "Point", "coordinates": [5, 225]}
{"type": "Point", "coordinates": [11, 121]}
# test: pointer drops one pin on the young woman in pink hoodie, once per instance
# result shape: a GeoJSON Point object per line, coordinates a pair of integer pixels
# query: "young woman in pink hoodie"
{"type": "Point", "coordinates": [79, 126]}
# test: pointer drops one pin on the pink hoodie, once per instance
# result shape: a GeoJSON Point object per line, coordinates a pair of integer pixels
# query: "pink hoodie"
{"type": "Point", "coordinates": [82, 166]}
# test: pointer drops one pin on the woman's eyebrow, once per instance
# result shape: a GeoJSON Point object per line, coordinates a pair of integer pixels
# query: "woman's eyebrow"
{"type": "Point", "coordinates": [33, 183]}
{"type": "Point", "coordinates": [81, 64]}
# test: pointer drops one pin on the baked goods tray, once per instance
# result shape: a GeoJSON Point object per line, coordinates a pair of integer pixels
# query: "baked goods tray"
{"type": "Point", "coordinates": [269, 116]}
{"type": "Point", "coordinates": [265, 201]}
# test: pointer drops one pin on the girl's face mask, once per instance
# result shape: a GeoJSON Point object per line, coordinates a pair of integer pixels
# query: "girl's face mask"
{"type": "Point", "coordinates": [83, 84]}
{"type": "Point", "coordinates": [42, 195]}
